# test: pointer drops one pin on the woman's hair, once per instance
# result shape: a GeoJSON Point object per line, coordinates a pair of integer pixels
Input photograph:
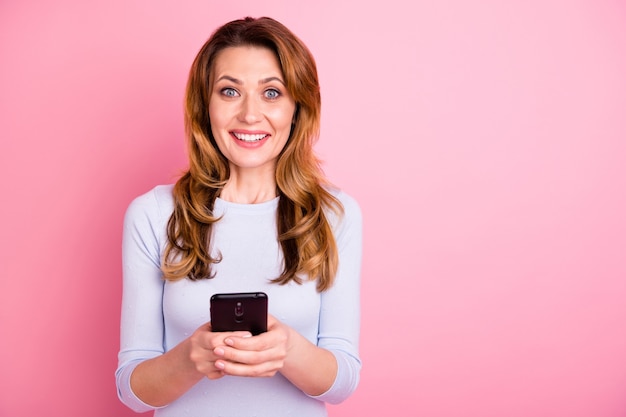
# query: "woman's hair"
{"type": "Point", "coordinates": [304, 232]}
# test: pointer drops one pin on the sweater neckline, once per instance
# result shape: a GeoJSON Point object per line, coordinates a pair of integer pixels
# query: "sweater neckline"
{"type": "Point", "coordinates": [223, 205]}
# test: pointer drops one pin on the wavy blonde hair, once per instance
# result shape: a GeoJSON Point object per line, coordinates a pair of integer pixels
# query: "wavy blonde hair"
{"type": "Point", "coordinates": [304, 232]}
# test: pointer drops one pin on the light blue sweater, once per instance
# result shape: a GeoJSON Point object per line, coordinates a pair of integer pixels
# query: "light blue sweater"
{"type": "Point", "coordinates": [157, 315]}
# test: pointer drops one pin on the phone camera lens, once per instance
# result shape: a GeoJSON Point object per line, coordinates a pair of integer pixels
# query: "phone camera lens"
{"type": "Point", "coordinates": [238, 309]}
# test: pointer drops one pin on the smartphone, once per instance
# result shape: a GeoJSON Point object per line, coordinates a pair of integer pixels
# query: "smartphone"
{"type": "Point", "coordinates": [239, 311]}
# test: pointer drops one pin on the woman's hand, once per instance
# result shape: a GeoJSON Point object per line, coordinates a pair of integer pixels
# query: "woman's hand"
{"type": "Point", "coordinates": [163, 379]}
{"type": "Point", "coordinates": [203, 344]}
{"type": "Point", "coordinates": [244, 355]}
{"type": "Point", "coordinates": [280, 349]}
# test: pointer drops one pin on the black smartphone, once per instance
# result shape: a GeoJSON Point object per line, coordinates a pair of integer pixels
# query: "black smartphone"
{"type": "Point", "coordinates": [239, 311]}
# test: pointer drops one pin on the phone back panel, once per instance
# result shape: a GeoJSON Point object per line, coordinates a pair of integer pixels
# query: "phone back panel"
{"type": "Point", "coordinates": [239, 311]}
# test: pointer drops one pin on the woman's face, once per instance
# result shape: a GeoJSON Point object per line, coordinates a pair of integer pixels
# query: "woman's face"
{"type": "Point", "coordinates": [250, 108]}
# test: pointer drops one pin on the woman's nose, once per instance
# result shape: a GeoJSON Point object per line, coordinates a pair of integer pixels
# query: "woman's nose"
{"type": "Point", "coordinates": [250, 110]}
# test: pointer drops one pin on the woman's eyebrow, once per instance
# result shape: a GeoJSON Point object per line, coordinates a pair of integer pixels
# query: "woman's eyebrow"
{"type": "Point", "coordinates": [269, 79]}
{"type": "Point", "coordinates": [231, 79]}
{"type": "Point", "coordinates": [239, 82]}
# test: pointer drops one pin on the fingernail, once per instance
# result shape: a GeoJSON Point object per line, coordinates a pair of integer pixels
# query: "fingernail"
{"type": "Point", "coordinates": [219, 365]}
{"type": "Point", "coordinates": [219, 351]}
{"type": "Point", "coordinates": [229, 342]}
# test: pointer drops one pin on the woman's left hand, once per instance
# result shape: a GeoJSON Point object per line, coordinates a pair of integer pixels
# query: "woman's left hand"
{"type": "Point", "coordinates": [258, 356]}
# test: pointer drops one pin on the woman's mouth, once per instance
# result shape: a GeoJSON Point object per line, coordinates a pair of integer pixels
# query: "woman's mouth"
{"type": "Point", "coordinates": [248, 137]}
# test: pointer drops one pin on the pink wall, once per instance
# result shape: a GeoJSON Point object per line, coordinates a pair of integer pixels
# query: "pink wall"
{"type": "Point", "coordinates": [485, 140]}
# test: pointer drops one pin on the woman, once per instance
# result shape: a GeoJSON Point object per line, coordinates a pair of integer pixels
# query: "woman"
{"type": "Point", "coordinates": [252, 213]}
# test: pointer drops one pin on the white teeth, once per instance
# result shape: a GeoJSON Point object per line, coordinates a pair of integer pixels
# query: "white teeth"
{"type": "Point", "coordinates": [249, 138]}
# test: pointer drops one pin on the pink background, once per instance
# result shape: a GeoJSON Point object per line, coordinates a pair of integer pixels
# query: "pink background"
{"type": "Point", "coordinates": [485, 141]}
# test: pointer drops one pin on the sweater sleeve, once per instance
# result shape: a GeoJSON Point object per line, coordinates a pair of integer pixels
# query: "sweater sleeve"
{"type": "Point", "coordinates": [339, 327]}
{"type": "Point", "coordinates": [141, 333]}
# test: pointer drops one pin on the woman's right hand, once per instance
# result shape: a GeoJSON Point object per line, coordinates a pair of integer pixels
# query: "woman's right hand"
{"type": "Point", "coordinates": [203, 343]}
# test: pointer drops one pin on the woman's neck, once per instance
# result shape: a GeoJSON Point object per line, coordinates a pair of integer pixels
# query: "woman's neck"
{"type": "Point", "coordinates": [248, 188]}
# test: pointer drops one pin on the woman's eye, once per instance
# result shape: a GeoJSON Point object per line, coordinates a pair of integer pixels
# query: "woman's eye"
{"type": "Point", "coordinates": [229, 92]}
{"type": "Point", "coordinates": [272, 94]}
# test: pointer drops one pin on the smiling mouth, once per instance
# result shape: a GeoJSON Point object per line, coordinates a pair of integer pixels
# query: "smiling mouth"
{"type": "Point", "coordinates": [245, 137]}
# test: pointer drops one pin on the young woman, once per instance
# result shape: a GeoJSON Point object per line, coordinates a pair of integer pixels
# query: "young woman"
{"type": "Point", "coordinates": [253, 213]}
